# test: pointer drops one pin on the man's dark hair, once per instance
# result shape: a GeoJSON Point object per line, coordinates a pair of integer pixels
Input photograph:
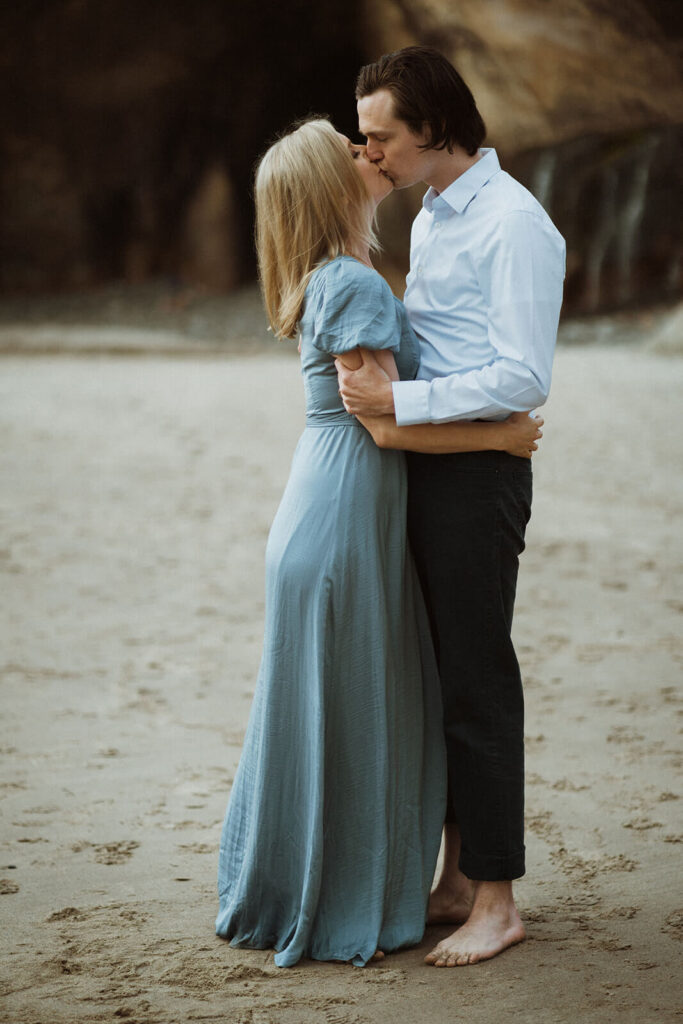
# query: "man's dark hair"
{"type": "Point", "coordinates": [428, 93]}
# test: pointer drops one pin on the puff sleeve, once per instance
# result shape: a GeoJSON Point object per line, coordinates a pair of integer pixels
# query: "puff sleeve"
{"type": "Point", "coordinates": [354, 306]}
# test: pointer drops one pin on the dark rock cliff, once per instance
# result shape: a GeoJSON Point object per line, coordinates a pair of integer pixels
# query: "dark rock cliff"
{"type": "Point", "coordinates": [129, 131]}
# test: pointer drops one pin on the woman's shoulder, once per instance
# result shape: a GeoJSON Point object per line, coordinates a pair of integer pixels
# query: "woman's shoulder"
{"type": "Point", "coordinates": [345, 273]}
{"type": "Point", "coordinates": [347, 301]}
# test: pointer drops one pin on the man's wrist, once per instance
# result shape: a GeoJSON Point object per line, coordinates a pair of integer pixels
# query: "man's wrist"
{"type": "Point", "coordinates": [388, 409]}
{"type": "Point", "coordinates": [411, 402]}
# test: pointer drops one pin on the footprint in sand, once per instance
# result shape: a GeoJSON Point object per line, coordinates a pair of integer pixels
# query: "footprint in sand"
{"type": "Point", "coordinates": [538, 915]}
{"type": "Point", "coordinates": [641, 824]}
{"type": "Point", "coordinates": [337, 1015]}
{"type": "Point", "coordinates": [109, 853]}
{"type": "Point", "coordinates": [566, 785]}
{"type": "Point", "coordinates": [584, 869]}
{"type": "Point", "coordinates": [376, 976]}
{"type": "Point", "coordinates": [10, 787]}
{"type": "Point", "coordinates": [65, 966]}
{"type": "Point", "coordinates": [544, 826]}
{"type": "Point", "coordinates": [7, 887]}
{"type": "Point", "coordinates": [622, 734]}
{"type": "Point", "coordinates": [114, 853]}
{"type": "Point", "coordinates": [590, 654]}
{"type": "Point", "coordinates": [627, 913]}
{"type": "Point", "coordinates": [609, 944]}
{"type": "Point", "coordinates": [68, 914]}
{"type": "Point", "coordinates": [673, 925]}
{"type": "Point", "coordinates": [211, 975]}
{"type": "Point", "coordinates": [553, 642]}
{"type": "Point", "coordinates": [254, 1017]}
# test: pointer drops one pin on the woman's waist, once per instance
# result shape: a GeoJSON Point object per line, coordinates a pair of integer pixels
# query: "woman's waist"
{"type": "Point", "coordinates": [330, 418]}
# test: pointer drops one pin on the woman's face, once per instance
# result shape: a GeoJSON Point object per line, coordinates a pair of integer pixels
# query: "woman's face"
{"type": "Point", "coordinates": [377, 184]}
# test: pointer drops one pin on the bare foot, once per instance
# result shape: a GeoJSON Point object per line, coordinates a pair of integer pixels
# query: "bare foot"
{"type": "Point", "coordinates": [449, 905]}
{"type": "Point", "coordinates": [451, 901]}
{"type": "Point", "coordinates": [377, 955]}
{"type": "Point", "coordinates": [493, 926]}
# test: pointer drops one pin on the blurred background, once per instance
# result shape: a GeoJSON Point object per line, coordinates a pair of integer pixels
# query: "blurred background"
{"type": "Point", "coordinates": [129, 132]}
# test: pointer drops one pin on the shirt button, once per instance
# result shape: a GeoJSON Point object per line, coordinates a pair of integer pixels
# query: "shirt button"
{"type": "Point", "coordinates": [438, 225]}
{"type": "Point", "coordinates": [419, 271]}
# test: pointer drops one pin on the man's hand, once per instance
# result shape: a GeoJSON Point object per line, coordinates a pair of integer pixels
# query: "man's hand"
{"type": "Point", "coordinates": [366, 391]}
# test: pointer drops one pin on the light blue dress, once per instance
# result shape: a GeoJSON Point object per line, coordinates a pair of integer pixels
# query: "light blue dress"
{"type": "Point", "coordinates": [332, 831]}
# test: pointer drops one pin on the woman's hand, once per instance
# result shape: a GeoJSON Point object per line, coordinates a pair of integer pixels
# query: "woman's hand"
{"type": "Point", "coordinates": [520, 433]}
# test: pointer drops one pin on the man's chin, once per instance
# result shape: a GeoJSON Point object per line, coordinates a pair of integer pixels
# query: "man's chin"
{"type": "Point", "coordinates": [398, 183]}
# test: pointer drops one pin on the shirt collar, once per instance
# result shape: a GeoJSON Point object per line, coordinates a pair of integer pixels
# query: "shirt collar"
{"type": "Point", "coordinates": [462, 191]}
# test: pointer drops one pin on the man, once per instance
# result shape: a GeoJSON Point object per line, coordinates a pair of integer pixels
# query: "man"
{"type": "Point", "coordinates": [483, 295]}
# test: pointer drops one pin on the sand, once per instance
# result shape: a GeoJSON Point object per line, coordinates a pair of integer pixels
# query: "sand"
{"type": "Point", "coordinates": [136, 495]}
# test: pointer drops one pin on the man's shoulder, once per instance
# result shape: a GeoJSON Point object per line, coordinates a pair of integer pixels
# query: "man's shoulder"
{"type": "Point", "coordinates": [511, 211]}
{"type": "Point", "coordinates": [510, 196]}
{"type": "Point", "coordinates": [504, 195]}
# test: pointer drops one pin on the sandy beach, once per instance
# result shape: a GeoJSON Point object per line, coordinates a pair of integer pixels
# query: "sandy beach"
{"type": "Point", "coordinates": [136, 494]}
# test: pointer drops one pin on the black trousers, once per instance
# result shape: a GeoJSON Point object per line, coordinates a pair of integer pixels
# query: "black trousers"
{"type": "Point", "coordinates": [467, 514]}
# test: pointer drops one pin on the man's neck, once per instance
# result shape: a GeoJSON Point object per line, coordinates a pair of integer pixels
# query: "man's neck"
{"type": "Point", "coordinates": [448, 167]}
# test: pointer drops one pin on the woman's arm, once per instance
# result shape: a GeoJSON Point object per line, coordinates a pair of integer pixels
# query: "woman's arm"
{"type": "Point", "coordinates": [516, 435]}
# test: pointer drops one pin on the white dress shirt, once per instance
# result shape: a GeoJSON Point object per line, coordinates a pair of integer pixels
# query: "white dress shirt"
{"type": "Point", "coordinates": [483, 296]}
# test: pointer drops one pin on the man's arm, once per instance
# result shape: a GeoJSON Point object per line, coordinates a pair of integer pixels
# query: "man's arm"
{"type": "Point", "coordinates": [516, 435]}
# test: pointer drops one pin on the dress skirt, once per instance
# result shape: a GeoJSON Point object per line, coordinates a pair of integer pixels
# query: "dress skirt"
{"type": "Point", "coordinates": [332, 831]}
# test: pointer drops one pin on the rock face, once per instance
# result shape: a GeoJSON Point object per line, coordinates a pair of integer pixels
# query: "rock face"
{"type": "Point", "coordinates": [584, 101]}
{"type": "Point", "coordinates": [615, 200]}
{"type": "Point", "coordinates": [544, 73]}
{"type": "Point", "coordinates": [129, 131]}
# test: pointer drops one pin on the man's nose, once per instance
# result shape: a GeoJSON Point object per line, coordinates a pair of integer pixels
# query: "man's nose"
{"type": "Point", "coordinates": [373, 151]}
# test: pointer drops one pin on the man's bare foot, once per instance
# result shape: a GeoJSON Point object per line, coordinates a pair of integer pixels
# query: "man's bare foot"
{"type": "Point", "coordinates": [450, 904]}
{"type": "Point", "coordinates": [452, 898]}
{"type": "Point", "coordinates": [493, 926]}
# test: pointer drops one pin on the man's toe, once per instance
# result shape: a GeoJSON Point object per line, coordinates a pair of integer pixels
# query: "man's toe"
{"type": "Point", "coordinates": [435, 955]}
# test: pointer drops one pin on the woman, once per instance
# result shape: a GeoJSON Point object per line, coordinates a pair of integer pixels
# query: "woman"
{"type": "Point", "coordinates": [333, 827]}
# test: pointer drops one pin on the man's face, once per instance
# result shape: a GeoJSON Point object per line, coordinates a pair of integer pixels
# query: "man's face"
{"type": "Point", "coordinates": [391, 144]}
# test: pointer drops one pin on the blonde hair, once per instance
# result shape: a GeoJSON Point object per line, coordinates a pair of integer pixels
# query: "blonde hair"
{"type": "Point", "coordinates": [311, 206]}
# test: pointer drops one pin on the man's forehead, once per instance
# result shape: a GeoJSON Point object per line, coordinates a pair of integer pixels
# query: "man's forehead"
{"type": "Point", "coordinates": [376, 111]}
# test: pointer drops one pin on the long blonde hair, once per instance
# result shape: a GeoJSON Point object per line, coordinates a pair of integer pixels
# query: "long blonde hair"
{"type": "Point", "coordinates": [311, 206]}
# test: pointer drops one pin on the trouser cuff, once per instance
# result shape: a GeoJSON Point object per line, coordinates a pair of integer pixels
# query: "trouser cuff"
{"type": "Point", "coordinates": [482, 868]}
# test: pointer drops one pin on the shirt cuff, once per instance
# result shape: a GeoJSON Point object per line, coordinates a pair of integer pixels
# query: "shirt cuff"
{"type": "Point", "coordinates": [411, 402]}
